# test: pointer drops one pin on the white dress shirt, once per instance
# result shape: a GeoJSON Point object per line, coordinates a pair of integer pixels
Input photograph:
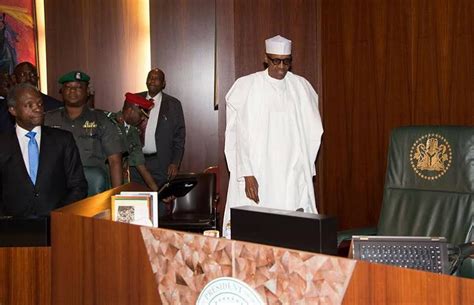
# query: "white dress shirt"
{"type": "Point", "coordinates": [150, 143]}
{"type": "Point", "coordinates": [23, 140]}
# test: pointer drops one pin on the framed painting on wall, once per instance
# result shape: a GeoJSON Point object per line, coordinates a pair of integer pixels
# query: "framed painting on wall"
{"type": "Point", "coordinates": [17, 34]}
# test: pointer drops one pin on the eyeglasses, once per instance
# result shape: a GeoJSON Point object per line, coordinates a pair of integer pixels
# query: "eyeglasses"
{"type": "Point", "coordinates": [278, 61]}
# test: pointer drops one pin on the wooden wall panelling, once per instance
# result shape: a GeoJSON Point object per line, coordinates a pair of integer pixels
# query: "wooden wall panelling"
{"type": "Point", "coordinates": [443, 61]}
{"type": "Point", "coordinates": [183, 46]}
{"type": "Point", "coordinates": [317, 181]}
{"type": "Point", "coordinates": [459, 97]}
{"type": "Point", "coordinates": [105, 39]}
{"type": "Point", "coordinates": [255, 21]}
{"type": "Point", "coordinates": [364, 81]}
{"type": "Point", "coordinates": [225, 77]}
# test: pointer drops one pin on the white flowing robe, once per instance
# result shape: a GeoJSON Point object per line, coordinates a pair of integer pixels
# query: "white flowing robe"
{"type": "Point", "coordinates": [273, 132]}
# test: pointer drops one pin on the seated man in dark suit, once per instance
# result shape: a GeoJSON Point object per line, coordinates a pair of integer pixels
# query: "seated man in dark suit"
{"type": "Point", "coordinates": [40, 167]}
{"type": "Point", "coordinates": [25, 72]}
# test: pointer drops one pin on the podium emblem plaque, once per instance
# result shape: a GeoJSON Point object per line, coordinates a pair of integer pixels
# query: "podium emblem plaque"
{"type": "Point", "coordinates": [228, 290]}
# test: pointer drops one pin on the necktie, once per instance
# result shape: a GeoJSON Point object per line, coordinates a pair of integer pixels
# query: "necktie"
{"type": "Point", "coordinates": [33, 155]}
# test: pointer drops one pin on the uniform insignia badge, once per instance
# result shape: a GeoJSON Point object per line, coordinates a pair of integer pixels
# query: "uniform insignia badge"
{"type": "Point", "coordinates": [431, 156]}
{"type": "Point", "coordinates": [89, 124]}
{"type": "Point", "coordinates": [78, 75]}
{"type": "Point", "coordinates": [89, 127]}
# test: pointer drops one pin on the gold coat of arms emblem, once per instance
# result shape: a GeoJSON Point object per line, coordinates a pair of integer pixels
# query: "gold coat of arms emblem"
{"type": "Point", "coordinates": [431, 156]}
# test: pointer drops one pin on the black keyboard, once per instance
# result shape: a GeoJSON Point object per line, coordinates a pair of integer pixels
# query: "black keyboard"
{"type": "Point", "coordinates": [421, 253]}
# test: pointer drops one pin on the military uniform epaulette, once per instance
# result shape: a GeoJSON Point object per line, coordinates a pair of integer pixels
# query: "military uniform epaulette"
{"type": "Point", "coordinates": [100, 112]}
{"type": "Point", "coordinates": [113, 117]}
{"type": "Point", "coordinates": [60, 109]}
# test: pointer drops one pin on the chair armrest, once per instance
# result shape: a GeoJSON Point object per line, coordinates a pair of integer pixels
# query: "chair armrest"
{"type": "Point", "coordinates": [467, 268]}
{"type": "Point", "coordinates": [347, 234]}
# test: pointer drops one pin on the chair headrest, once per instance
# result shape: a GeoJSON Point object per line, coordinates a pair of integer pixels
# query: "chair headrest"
{"type": "Point", "coordinates": [439, 158]}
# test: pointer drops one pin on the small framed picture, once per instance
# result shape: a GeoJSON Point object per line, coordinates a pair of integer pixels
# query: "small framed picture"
{"type": "Point", "coordinates": [154, 203]}
{"type": "Point", "coordinates": [132, 209]}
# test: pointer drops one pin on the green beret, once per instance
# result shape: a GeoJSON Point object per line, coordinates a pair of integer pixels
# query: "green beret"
{"type": "Point", "coordinates": [74, 76]}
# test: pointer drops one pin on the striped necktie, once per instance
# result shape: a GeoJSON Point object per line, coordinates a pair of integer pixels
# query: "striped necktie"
{"type": "Point", "coordinates": [33, 155]}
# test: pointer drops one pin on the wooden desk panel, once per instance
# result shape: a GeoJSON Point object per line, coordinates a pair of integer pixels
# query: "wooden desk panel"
{"type": "Point", "coordinates": [25, 276]}
{"type": "Point", "coordinates": [98, 261]}
{"type": "Point", "coordinates": [375, 284]}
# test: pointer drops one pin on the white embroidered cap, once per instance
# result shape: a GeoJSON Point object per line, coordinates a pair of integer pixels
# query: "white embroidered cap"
{"type": "Point", "coordinates": [278, 45]}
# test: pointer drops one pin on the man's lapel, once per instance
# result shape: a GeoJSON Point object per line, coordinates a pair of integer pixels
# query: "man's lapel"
{"type": "Point", "coordinates": [47, 150]}
{"type": "Point", "coordinates": [164, 113]}
{"type": "Point", "coordinates": [17, 157]}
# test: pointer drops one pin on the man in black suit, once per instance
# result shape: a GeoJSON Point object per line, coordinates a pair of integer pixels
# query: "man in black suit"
{"type": "Point", "coordinates": [164, 132]}
{"type": "Point", "coordinates": [40, 167]}
{"type": "Point", "coordinates": [25, 72]}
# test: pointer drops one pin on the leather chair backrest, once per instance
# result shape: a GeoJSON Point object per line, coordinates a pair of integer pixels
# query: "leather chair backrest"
{"type": "Point", "coordinates": [96, 180]}
{"type": "Point", "coordinates": [429, 187]}
{"type": "Point", "coordinates": [200, 199]}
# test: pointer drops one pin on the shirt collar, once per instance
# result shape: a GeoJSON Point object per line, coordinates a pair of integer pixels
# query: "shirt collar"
{"type": "Point", "coordinates": [21, 132]}
{"type": "Point", "coordinates": [156, 97]}
{"type": "Point", "coordinates": [84, 111]}
{"type": "Point", "coordinates": [274, 80]}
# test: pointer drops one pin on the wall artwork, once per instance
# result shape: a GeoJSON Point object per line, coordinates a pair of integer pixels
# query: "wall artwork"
{"type": "Point", "coordinates": [17, 33]}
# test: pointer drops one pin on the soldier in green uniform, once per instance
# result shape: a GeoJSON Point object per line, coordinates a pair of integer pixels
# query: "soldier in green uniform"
{"type": "Point", "coordinates": [97, 138]}
{"type": "Point", "coordinates": [135, 110]}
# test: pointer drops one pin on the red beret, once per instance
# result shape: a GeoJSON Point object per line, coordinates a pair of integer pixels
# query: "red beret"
{"type": "Point", "coordinates": [138, 100]}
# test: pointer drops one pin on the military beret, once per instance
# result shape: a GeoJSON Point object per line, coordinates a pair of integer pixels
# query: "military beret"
{"type": "Point", "coordinates": [138, 100]}
{"type": "Point", "coordinates": [74, 76]}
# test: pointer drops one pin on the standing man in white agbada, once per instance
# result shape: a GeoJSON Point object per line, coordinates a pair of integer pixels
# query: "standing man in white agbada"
{"type": "Point", "coordinates": [272, 137]}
